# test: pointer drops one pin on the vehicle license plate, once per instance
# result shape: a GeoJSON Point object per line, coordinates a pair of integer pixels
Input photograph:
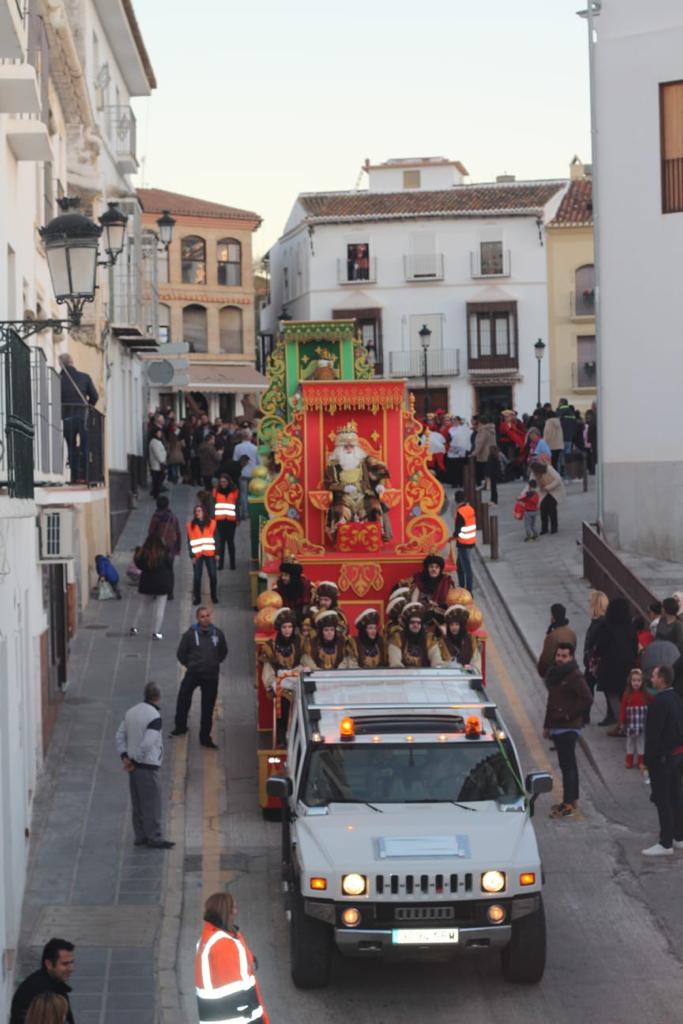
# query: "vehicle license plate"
{"type": "Point", "coordinates": [423, 936]}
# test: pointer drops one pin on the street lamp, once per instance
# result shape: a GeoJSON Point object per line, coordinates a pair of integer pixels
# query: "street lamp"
{"type": "Point", "coordinates": [166, 223]}
{"type": "Point", "coordinates": [539, 349]}
{"type": "Point", "coordinates": [71, 241]}
{"type": "Point", "coordinates": [425, 339]}
{"type": "Point", "coordinates": [113, 222]}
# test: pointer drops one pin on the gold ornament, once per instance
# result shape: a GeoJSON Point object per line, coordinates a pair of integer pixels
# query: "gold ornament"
{"type": "Point", "coordinates": [458, 595]}
{"type": "Point", "coordinates": [259, 471]}
{"type": "Point", "coordinates": [269, 599]}
{"type": "Point", "coordinates": [476, 619]}
{"type": "Point", "coordinates": [257, 486]}
{"type": "Point", "coordinates": [264, 619]}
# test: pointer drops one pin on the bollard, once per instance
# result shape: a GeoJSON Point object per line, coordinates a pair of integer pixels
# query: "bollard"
{"type": "Point", "coordinates": [493, 534]}
{"type": "Point", "coordinates": [485, 522]}
{"type": "Point", "coordinates": [585, 475]}
{"type": "Point", "coordinates": [468, 480]}
{"type": "Point", "coordinates": [477, 505]}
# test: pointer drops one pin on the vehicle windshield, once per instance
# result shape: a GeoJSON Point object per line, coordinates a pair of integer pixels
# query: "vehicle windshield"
{"type": "Point", "coordinates": [410, 773]}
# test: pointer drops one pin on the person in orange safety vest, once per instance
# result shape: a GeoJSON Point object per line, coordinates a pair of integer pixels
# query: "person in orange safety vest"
{"type": "Point", "coordinates": [226, 497]}
{"type": "Point", "coordinates": [227, 991]}
{"type": "Point", "coordinates": [202, 542]}
{"type": "Point", "coordinates": [465, 537]}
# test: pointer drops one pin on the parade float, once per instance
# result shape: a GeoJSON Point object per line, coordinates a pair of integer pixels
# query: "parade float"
{"type": "Point", "coordinates": [352, 501]}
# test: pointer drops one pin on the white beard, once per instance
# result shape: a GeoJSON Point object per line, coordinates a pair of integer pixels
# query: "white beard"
{"type": "Point", "coordinates": [348, 460]}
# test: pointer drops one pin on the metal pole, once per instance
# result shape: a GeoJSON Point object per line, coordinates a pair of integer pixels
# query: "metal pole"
{"type": "Point", "coordinates": [593, 7]}
{"type": "Point", "coordinates": [426, 403]}
{"type": "Point", "coordinates": [538, 400]}
{"type": "Point", "coordinates": [493, 534]}
{"type": "Point", "coordinates": [485, 522]}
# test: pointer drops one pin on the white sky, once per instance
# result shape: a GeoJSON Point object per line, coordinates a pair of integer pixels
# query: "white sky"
{"type": "Point", "coordinates": [259, 100]}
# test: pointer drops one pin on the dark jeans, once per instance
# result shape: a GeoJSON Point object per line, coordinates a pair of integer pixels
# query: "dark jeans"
{"type": "Point", "coordinates": [455, 469]}
{"type": "Point", "coordinates": [157, 481]}
{"type": "Point", "coordinates": [209, 689]}
{"type": "Point", "coordinates": [195, 472]}
{"type": "Point", "coordinates": [667, 796]}
{"type": "Point", "coordinates": [197, 569]}
{"type": "Point", "coordinates": [173, 472]}
{"type": "Point", "coordinates": [548, 508]}
{"type": "Point", "coordinates": [555, 456]}
{"type": "Point", "coordinates": [465, 566]}
{"type": "Point", "coordinates": [76, 437]}
{"type": "Point", "coordinates": [565, 744]}
{"type": "Point", "coordinates": [225, 534]}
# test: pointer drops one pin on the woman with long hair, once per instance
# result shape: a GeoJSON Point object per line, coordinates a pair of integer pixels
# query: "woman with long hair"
{"type": "Point", "coordinates": [225, 968]}
{"type": "Point", "coordinates": [47, 1008]}
{"type": "Point", "coordinates": [597, 606]}
{"type": "Point", "coordinates": [616, 648]}
{"type": "Point", "coordinates": [156, 579]}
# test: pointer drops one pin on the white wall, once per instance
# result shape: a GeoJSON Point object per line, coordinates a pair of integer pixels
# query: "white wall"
{"type": "Point", "coordinates": [400, 300]}
{"type": "Point", "coordinates": [641, 300]}
{"type": "Point", "coordinates": [390, 179]}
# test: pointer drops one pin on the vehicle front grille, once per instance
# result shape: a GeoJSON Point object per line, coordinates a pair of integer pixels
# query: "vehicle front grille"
{"type": "Point", "coordinates": [426, 885]}
{"type": "Point", "coordinates": [424, 913]}
{"type": "Point", "coordinates": [460, 914]}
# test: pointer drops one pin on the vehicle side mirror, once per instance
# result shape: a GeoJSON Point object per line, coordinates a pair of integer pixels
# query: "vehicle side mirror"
{"type": "Point", "coordinates": [537, 783]}
{"type": "Point", "coordinates": [279, 786]}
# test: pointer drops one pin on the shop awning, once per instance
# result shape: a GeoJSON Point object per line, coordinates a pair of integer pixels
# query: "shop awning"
{"type": "Point", "coordinates": [232, 378]}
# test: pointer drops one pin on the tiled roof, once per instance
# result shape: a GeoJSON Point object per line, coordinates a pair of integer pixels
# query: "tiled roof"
{"type": "Point", "coordinates": [576, 208]}
{"type": "Point", "coordinates": [460, 201]}
{"type": "Point", "coordinates": [156, 200]}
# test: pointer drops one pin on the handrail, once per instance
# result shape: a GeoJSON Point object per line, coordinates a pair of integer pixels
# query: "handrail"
{"type": "Point", "coordinates": [606, 571]}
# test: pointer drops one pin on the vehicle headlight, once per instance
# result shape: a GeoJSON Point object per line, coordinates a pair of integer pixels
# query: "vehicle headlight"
{"type": "Point", "coordinates": [355, 885]}
{"type": "Point", "coordinates": [493, 881]}
{"type": "Point", "coordinates": [351, 917]}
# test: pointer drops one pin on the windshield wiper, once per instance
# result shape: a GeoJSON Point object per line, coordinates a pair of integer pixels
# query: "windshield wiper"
{"type": "Point", "coordinates": [433, 800]}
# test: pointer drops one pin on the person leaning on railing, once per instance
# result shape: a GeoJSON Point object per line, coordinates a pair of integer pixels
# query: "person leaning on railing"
{"type": "Point", "coordinates": [79, 394]}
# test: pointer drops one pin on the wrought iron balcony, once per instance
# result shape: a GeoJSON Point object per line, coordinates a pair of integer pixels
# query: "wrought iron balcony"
{"type": "Point", "coordinates": [494, 265]}
{"type": "Point", "coordinates": [16, 419]}
{"type": "Point", "coordinates": [122, 133]}
{"type": "Point", "coordinates": [350, 273]}
{"type": "Point", "coordinates": [584, 375]}
{"type": "Point", "coordinates": [441, 362]}
{"type": "Point", "coordinates": [426, 266]}
{"type": "Point", "coordinates": [48, 442]}
{"type": "Point", "coordinates": [582, 304]}
{"type": "Point", "coordinates": [84, 433]}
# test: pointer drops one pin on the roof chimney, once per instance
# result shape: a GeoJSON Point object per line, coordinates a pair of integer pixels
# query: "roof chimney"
{"type": "Point", "coordinates": [505, 179]}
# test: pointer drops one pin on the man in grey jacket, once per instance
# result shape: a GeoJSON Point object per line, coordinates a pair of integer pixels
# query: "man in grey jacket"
{"type": "Point", "coordinates": [140, 746]}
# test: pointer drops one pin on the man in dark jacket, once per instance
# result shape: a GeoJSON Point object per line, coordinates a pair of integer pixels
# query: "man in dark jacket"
{"type": "Point", "coordinates": [201, 650]}
{"type": "Point", "coordinates": [664, 758]}
{"type": "Point", "coordinates": [78, 395]}
{"type": "Point", "coordinates": [569, 700]}
{"type": "Point", "coordinates": [57, 964]}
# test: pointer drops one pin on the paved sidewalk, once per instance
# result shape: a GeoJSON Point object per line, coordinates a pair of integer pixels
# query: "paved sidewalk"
{"type": "Point", "coordinates": [87, 882]}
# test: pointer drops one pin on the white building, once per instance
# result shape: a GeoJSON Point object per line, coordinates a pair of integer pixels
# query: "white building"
{"type": "Point", "coordinates": [55, 139]}
{"type": "Point", "coordinates": [421, 247]}
{"type": "Point", "coordinates": [638, 61]}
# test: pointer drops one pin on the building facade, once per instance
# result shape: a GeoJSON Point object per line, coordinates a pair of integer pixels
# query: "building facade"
{"type": "Point", "coordinates": [421, 248]}
{"type": "Point", "coordinates": [572, 354]}
{"type": "Point", "coordinates": [638, 97]}
{"type": "Point", "coordinates": [59, 130]}
{"type": "Point", "coordinates": [207, 300]}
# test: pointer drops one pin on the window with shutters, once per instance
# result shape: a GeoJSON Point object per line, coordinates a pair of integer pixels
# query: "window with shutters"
{"type": "Point", "coordinates": [194, 328]}
{"type": "Point", "coordinates": [671, 145]}
{"type": "Point", "coordinates": [230, 330]}
{"type": "Point", "coordinates": [229, 252]}
{"type": "Point", "coordinates": [492, 335]}
{"type": "Point", "coordinates": [193, 260]}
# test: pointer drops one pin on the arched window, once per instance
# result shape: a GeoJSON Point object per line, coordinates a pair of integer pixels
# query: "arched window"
{"type": "Point", "coordinates": [193, 256]}
{"type": "Point", "coordinates": [584, 280]}
{"type": "Point", "coordinates": [229, 252]}
{"type": "Point", "coordinates": [230, 330]}
{"type": "Point", "coordinates": [164, 323]}
{"type": "Point", "coordinates": [194, 328]}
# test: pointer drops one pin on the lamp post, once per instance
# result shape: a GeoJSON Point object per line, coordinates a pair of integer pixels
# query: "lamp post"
{"type": "Point", "coordinates": [539, 349]}
{"type": "Point", "coordinates": [425, 339]}
{"type": "Point", "coordinates": [166, 223]}
{"type": "Point", "coordinates": [113, 222]}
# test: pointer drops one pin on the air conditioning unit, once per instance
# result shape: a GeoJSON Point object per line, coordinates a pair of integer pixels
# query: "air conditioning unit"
{"type": "Point", "coordinates": [56, 527]}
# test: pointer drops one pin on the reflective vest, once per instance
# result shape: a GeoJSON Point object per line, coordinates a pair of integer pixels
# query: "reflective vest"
{"type": "Point", "coordinates": [201, 538]}
{"type": "Point", "coordinates": [468, 531]}
{"type": "Point", "coordinates": [225, 508]}
{"type": "Point", "coordinates": [226, 987]}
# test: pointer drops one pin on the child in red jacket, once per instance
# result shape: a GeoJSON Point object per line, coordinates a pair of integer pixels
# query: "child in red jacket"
{"type": "Point", "coordinates": [528, 502]}
{"type": "Point", "coordinates": [632, 717]}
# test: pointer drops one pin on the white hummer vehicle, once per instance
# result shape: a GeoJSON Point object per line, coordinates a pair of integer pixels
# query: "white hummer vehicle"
{"type": "Point", "coordinates": [406, 824]}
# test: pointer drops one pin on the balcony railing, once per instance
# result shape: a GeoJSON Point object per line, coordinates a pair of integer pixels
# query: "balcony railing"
{"type": "Point", "coordinates": [48, 442]}
{"type": "Point", "coordinates": [16, 420]}
{"type": "Point", "coordinates": [584, 375]}
{"type": "Point", "coordinates": [348, 273]}
{"type": "Point", "coordinates": [492, 266]}
{"type": "Point", "coordinates": [134, 303]}
{"type": "Point", "coordinates": [492, 362]}
{"type": "Point", "coordinates": [122, 133]}
{"type": "Point", "coordinates": [423, 266]}
{"type": "Point", "coordinates": [582, 304]}
{"type": "Point", "coordinates": [441, 362]}
{"type": "Point", "coordinates": [84, 431]}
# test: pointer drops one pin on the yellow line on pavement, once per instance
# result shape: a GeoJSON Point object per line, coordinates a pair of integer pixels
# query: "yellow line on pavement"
{"type": "Point", "coordinates": [526, 726]}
